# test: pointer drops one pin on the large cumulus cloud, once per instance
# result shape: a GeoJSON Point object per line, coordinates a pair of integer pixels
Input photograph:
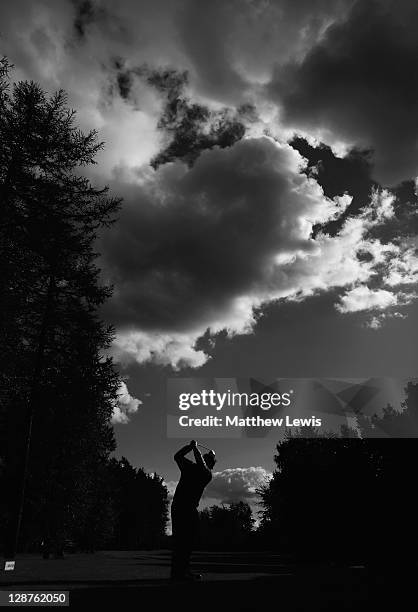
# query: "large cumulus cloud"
{"type": "Point", "coordinates": [200, 248]}
{"type": "Point", "coordinates": [203, 248]}
{"type": "Point", "coordinates": [237, 484]}
{"type": "Point", "coordinates": [190, 241]}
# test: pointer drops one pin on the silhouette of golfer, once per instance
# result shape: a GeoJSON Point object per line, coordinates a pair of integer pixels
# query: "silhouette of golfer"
{"type": "Point", "coordinates": [184, 515]}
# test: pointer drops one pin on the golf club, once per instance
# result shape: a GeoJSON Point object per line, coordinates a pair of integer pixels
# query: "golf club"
{"type": "Point", "coordinates": [203, 446]}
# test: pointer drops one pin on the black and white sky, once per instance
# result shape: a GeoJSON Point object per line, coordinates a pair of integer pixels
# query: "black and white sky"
{"type": "Point", "coordinates": [267, 156]}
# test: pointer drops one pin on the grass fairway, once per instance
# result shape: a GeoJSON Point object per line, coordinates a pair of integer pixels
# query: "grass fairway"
{"type": "Point", "coordinates": [232, 581]}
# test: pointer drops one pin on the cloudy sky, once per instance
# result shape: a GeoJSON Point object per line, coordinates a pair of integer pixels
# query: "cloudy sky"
{"type": "Point", "coordinates": [266, 153]}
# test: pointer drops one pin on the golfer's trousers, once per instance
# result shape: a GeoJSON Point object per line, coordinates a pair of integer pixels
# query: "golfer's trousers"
{"type": "Point", "coordinates": [185, 525]}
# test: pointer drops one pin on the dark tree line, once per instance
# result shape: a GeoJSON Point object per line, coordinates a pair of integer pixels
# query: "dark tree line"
{"type": "Point", "coordinates": [347, 498]}
{"type": "Point", "coordinates": [129, 510]}
{"type": "Point", "coordinates": [140, 503]}
{"type": "Point", "coordinates": [58, 387]}
{"type": "Point", "coordinates": [226, 527]}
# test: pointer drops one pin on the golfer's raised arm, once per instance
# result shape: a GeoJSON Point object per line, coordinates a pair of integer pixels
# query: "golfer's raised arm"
{"type": "Point", "coordinates": [180, 454]}
{"type": "Point", "coordinates": [198, 455]}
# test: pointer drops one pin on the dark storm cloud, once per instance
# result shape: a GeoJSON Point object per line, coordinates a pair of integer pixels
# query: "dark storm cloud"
{"type": "Point", "coordinates": [187, 128]}
{"type": "Point", "coordinates": [232, 43]}
{"type": "Point", "coordinates": [204, 26]}
{"type": "Point", "coordinates": [191, 241]}
{"type": "Point", "coordinates": [360, 85]}
{"type": "Point", "coordinates": [182, 250]}
{"type": "Point", "coordinates": [350, 174]}
{"type": "Point", "coordinates": [87, 12]}
{"type": "Point", "coordinates": [202, 247]}
{"type": "Point", "coordinates": [124, 78]}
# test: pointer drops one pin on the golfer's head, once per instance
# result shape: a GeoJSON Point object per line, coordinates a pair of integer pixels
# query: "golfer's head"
{"type": "Point", "coordinates": [210, 459]}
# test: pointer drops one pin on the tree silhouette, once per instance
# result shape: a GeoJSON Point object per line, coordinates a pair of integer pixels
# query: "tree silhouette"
{"type": "Point", "coordinates": [139, 503]}
{"type": "Point", "coordinates": [58, 387]}
{"type": "Point", "coordinates": [226, 527]}
{"type": "Point", "coordinates": [346, 498]}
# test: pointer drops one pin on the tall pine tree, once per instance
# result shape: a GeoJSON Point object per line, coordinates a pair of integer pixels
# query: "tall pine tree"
{"type": "Point", "coordinates": [57, 387]}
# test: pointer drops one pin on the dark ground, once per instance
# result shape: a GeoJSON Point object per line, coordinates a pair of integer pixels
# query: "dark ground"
{"type": "Point", "coordinates": [232, 581]}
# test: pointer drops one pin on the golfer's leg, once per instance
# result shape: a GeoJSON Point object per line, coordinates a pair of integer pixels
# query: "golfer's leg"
{"type": "Point", "coordinates": [193, 535]}
{"type": "Point", "coordinates": [180, 536]}
{"type": "Point", "coordinates": [174, 559]}
{"type": "Point", "coordinates": [185, 531]}
{"type": "Point", "coordinates": [188, 547]}
{"type": "Point", "coordinates": [184, 544]}
{"type": "Point", "coordinates": [175, 550]}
